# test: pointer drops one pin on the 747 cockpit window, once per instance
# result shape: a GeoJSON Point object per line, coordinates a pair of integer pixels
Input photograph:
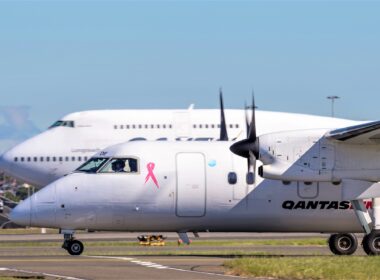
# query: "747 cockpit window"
{"type": "Point", "coordinates": [121, 165]}
{"type": "Point", "coordinates": [92, 165]}
{"type": "Point", "coordinates": [63, 123]}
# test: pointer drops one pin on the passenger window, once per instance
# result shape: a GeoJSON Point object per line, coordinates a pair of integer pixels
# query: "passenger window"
{"type": "Point", "coordinates": [79, 158]}
{"type": "Point", "coordinates": [127, 126]}
{"type": "Point", "coordinates": [121, 165]}
{"type": "Point", "coordinates": [72, 158]}
{"type": "Point", "coordinates": [15, 159]}
{"type": "Point", "coordinates": [232, 178]}
{"type": "Point", "coordinates": [194, 126]}
{"type": "Point", "coordinates": [121, 126]}
{"type": "Point", "coordinates": [47, 158]}
{"type": "Point", "coordinates": [54, 158]}
{"type": "Point", "coordinates": [146, 126]}
{"type": "Point", "coordinates": [22, 158]}
{"type": "Point", "coordinates": [164, 126]}
{"type": "Point", "coordinates": [115, 127]}
{"type": "Point", "coordinates": [35, 159]}
{"type": "Point", "coordinates": [66, 158]}
{"type": "Point", "coordinates": [28, 158]}
{"type": "Point", "coordinates": [170, 126]}
{"type": "Point", "coordinates": [41, 159]}
{"type": "Point", "coordinates": [250, 178]}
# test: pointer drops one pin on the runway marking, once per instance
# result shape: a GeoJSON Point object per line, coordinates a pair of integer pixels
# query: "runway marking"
{"type": "Point", "coordinates": [159, 266]}
{"type": "Point", "coordinates": [40, 273]}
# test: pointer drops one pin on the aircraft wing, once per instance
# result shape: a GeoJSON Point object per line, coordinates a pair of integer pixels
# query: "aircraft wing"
{"type": "Point", "coordinates": [366, 133]}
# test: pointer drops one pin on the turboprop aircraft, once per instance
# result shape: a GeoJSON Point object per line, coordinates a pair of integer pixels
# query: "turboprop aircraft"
{"type": "Point", "coordinates": [311, 180]}
{"type": "Point", "coordinates": [70, 141]}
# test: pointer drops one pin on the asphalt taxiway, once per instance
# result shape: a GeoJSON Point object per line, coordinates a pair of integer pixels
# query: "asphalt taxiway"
{"type": "Point", "coordinates": [26, 257]}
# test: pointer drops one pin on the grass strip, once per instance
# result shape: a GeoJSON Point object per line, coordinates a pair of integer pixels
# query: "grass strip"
{"type": "Point", "coordinates": [219, 243]}
{"type": "Point", "coordinates": [300, 268]}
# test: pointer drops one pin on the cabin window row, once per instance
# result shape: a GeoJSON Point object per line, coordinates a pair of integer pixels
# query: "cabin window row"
{"type": "Point", "coordinates": [48, 159]}
{"type": "Point", "coordinates": [168, 126]}
{"type": "Point", "coordinates": [213, 126]}
{"type": "Point", "coordinates": [232, 178]}
{"type": "Point", "coordinates": [141, 126]}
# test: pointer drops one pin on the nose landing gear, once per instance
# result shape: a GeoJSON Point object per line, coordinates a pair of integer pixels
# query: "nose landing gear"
{"type": "Point", "coordinates": [74, 247]}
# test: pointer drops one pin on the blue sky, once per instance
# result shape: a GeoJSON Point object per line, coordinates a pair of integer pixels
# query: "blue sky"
{"type": "Point", "coordinates": [58, 57]}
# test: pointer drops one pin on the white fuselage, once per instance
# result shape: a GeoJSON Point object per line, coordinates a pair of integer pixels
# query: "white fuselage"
{"type": "Point", "coordinates": [194, 193]}
{"type": "Point", "coordinates": [62, 148]}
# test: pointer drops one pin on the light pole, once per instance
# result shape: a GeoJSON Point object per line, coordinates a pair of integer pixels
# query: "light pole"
{"type": "Point", "coordinates": [332, 98]}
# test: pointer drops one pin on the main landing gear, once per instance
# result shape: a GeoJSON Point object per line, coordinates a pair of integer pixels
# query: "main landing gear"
{"type": "Point", "coordinates": [371, 225]}
{"type": "Point", "coordinates": [343, 243]}
{"type": "Point", "coordinates": [74, 247]}
{"type": "Point", "coordinates": [371, 243]}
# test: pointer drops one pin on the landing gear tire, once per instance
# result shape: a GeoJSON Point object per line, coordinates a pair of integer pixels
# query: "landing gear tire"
{"type": "Point", "coordinates": [371, 243]}
{"type": "Point", "coordinates": [343, 243]}
{"type": "Point", "coordinates": [75, 247]}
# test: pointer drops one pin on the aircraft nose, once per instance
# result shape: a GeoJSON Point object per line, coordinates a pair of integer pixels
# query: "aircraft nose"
{"type": "Point", "coordinates": [21, 214]}
{"type": "Point", "coordinates": [6, 161]}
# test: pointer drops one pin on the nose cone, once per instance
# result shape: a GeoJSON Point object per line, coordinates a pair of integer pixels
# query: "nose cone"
{"type": "Point", "coordinates": [17, 162]}
{"type": "Point", "coordinates": [21, 214]}
{"type": "Point", "coordinates": [6, 161]}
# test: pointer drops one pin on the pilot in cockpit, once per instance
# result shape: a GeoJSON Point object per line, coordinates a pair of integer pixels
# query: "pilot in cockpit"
{"type": "Point", "coordinates": [118, 165]}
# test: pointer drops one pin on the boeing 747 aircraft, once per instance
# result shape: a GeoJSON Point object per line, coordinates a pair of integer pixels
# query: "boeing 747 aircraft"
{"type": "Point", "coordinates": [76, 137]}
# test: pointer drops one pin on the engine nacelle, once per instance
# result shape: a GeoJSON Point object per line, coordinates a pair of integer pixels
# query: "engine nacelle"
{"type": "Point", "coordinates": [297, 156]}
{"type": "Point", "coordinates": [309, 156]}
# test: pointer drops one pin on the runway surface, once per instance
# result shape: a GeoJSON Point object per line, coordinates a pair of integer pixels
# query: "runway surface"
{"type": "Point", "coordinates": [27, 256]}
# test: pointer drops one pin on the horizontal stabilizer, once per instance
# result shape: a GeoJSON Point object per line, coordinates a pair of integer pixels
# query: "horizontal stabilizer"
{"type": "Point", "coordinates": [366, 133]}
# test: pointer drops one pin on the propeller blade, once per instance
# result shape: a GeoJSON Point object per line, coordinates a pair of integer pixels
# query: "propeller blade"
{"type": "Point", "coordinates": [223, 125]}
{"type": "Point", "coordinates": [251, 162]}
{"type": "Point", "coordinates": [251, 175]}
{"type": "Point", "coordinates": [252, 127]}
{"type": "Point", "coordinates": [246, 118]}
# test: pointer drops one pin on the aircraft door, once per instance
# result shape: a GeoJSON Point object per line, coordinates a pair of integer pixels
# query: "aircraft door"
{"type": "Point", "coordinates": [191, 185]}
{"type": "Point", "coordinates": [181, 124]}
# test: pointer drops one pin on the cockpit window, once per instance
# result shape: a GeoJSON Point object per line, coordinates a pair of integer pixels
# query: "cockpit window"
{"type": "Point", "coordinates": [121, 165]}
{"type": "Point", "coordinates": [92, 165]}
{"type": "Point", "coordinates": [63, 123]}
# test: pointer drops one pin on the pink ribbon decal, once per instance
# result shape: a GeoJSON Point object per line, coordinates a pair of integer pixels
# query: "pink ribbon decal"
{"type": "Point", "coordinates": [150, 167]}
